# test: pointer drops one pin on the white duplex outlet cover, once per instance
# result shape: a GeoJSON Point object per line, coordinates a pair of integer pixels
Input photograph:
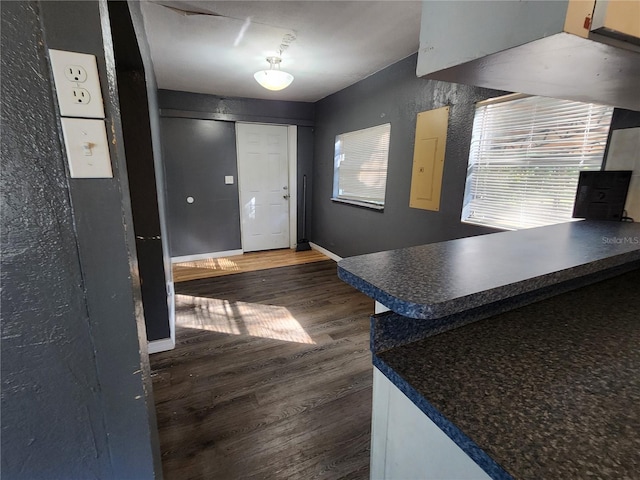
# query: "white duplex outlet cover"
{"type": "Point", "coordinates": [77, 84]}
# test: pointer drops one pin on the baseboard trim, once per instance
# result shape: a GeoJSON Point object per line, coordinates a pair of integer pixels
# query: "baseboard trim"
{"type": "Point", "coordinates": [326, 252]}
{"type": "Point", "coordinates": [162, 345]}
{"type": "Point", "coordinates": [206, 256]}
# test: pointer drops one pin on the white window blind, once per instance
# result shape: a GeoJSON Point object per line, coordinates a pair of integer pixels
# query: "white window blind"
{"type": "Point", "coordinates": [360, 165]}
{"type": "Point", "coordinates": [525, 158]}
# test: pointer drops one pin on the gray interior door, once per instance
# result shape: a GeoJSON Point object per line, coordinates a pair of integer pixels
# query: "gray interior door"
{"type": "Point", "coordinates": [203, 211]}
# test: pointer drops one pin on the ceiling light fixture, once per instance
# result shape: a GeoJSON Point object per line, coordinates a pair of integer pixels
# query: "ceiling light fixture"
{"type": "Point", "coordinates": [274, 78]}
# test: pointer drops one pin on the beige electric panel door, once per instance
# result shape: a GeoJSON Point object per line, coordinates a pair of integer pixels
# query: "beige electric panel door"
{"type": "Point", "coordinates": [617, 16]}
{"type": "Point", "coordinates": [619, 19]}
{"type": "Point", "coordinates": [428, 159]}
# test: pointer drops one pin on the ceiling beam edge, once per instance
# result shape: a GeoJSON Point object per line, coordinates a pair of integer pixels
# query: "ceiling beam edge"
{"type": "Point", "coordinates": [229, 117]}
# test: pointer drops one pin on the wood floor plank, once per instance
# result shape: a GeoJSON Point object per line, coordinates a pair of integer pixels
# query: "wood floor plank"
{"type": "Point", "coordinates": [247, 262]}
{"type": "Point", "coordinates": [270, 378]}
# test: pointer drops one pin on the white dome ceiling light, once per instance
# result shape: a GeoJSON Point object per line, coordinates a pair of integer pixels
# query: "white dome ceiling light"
{"type": "Point", "coordinates": [274, 78]}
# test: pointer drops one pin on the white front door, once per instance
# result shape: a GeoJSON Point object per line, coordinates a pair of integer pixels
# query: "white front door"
{"type": "Point", "coordinates": [263, 181]}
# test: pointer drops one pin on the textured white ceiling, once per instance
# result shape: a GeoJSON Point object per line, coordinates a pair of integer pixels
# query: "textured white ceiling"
{"type": "Point", "coordinates": [336, 43]}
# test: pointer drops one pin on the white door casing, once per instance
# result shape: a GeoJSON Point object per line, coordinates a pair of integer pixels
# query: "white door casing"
{"type": "Point", "coordinates": [263, 181]}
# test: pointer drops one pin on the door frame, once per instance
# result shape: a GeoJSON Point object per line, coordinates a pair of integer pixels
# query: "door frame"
{"type": "Point", "coordinates": [292, 161]}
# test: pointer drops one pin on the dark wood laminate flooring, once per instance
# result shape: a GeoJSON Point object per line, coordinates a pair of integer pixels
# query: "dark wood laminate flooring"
{"type": "Point", "coordinates": [270, 378]}
{"type": "Point", "coordinates": [247, 262]}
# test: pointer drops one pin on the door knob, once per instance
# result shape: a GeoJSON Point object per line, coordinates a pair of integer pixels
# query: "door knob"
{"type": "Point", "coordinates": [286, 197]}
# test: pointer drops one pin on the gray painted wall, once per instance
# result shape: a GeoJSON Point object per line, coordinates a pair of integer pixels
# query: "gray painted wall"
{"type": "Point", "coordinates": [213, 107]}
{"type": "Point", "coordinates": [624, 119]}
{"type": "Point", "coordinates": [305, 167]}
{"type": "Point", "coordinates": [76, 390]}
{"type": "Point", "coordinates": [198, 154]}
{"type": "Point", "coordinates": [154, 122]}
{"type": "Point", "coordinates": [199, 149]}
{"type": "Point", "coordinates": [147, 189]}
{"type": "Point", "coordinates": [393, 95]}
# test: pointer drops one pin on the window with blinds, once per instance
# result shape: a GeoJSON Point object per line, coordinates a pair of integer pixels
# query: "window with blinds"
{"type": "Point", "coordinates": [525, 158]}
{"type": "Point", "coordinates": [360, 166]}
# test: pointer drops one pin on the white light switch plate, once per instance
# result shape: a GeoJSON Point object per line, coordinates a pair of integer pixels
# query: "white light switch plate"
{"type": "Point", "coordinates": [228, 180]}
{"type": "Point", "coordinates": [87, 148]}
{"type": "Point", "coordinates": [77, 84]}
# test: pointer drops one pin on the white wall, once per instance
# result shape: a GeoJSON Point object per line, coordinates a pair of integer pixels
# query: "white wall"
{"type": "Point", "coordinates": [453, 32]}
{"type": "Point", "coordinates": [624, 154]}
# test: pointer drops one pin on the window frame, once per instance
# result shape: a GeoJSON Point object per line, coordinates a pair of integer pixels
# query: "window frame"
{"type": "Point", "coordinates": [532, 165]}
{"type": "Point", "coordinates": [338, 162]}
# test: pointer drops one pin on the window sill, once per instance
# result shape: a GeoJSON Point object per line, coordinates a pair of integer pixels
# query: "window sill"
{"type": "Point", "coordinates": [371, 206]}
{"type": "Point", "coordinates": [469, 221]}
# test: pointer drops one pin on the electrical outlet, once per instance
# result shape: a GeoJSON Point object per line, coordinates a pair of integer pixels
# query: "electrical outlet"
{"type": "Point", "coordinates": [81, 95]}
{"type": "Point", "coordinates": [75, 73]}
{"type": "Point", "coordinates": [77, 84]}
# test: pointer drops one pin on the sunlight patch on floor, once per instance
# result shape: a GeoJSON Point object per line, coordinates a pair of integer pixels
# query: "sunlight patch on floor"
{"type": "Point", "coordinates": [212, 264]}
{"type": "Point", "coordinates": [239, 318]}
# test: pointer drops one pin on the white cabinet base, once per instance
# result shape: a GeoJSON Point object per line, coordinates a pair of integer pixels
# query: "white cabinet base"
{"type": "Point", "coordinates": [407, 445]}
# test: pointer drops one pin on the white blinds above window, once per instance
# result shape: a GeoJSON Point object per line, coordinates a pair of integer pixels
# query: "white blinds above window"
{"type": "Point", "coordinates": [360, 165]}
{"type": "Point", "coordinates": [525, 159]}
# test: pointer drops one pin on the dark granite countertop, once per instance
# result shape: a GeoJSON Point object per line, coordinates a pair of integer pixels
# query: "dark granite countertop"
{"type": "Point", "coordinates": [436, 280]}
{"type": "Point", "coordinates": [549, 390]}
